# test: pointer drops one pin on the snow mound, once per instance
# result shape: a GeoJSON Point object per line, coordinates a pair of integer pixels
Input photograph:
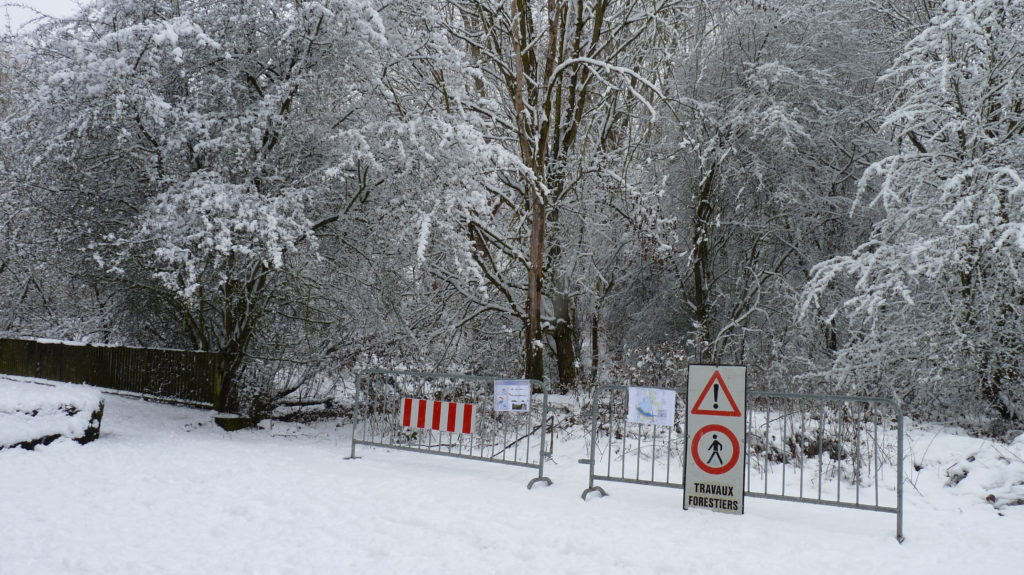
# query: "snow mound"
{"type": "Point", "coordinates": [995, 472]}
{"type": "Point", "coordinates": [36, 413]}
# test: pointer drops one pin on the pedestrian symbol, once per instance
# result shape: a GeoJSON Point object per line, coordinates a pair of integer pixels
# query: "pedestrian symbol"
{"type": "Point", "coordinates": [716, 448]}
{"type": "Point", "coordinates": [707, 450]}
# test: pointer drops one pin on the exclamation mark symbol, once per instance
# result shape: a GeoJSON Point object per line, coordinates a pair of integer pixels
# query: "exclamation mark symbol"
{"type": "Point", "coordinates": [716, 396]}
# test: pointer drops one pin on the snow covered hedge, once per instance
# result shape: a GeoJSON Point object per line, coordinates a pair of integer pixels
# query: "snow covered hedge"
{"type": "Point", "coordinates": [34, 413]}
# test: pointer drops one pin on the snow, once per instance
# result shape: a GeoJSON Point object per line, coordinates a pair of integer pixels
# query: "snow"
{"type": "Point", "coordinates": [30, 410]}
{"type": "Point", "coordinates": [164, 490]}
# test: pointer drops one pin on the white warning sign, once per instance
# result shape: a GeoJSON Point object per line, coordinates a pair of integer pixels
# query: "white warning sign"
{"type": "Point", "coordinates": [716, 437]}
{"type": "Point", "coordinates": [512, 395]}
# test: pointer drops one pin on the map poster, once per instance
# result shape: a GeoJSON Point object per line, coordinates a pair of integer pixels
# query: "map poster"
{"type": "Point", "coordinates": [651, 405]}
{"type": "Point", "coordinates": [512, 395]}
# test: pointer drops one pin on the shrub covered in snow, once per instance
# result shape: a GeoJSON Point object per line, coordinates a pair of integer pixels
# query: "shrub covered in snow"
{"type": "Point", "coordinates": [34, 413]}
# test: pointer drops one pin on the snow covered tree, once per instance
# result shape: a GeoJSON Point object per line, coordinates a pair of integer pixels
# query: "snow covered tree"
{"type": "Point", "coordinates": [568, 87]}
{"type": "Point", "coordinates": [937, 296]}
{"type": "Point", "coordinates": [251, 177]}
{"type": "Point", "coordinates": [771, 108]}
{"type": "Point", "coordinates": [183, 140]}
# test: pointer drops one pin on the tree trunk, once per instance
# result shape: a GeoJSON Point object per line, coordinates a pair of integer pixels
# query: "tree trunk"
{"type": "Point", "coordinates": [701, 263]}
{"type": "Point", "coordinates": [524, 95]}
{"type": "Point", "coordinates": [565, 341]}
{"type": "Point", "coordinates": [534, 295]}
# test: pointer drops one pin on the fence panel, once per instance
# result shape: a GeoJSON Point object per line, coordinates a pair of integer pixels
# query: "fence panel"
{"type": "Point", "coordinates": [828, 450]}
{"type": "Point", "coordinates": [186, 376]}
{"type": "Point", "coordinates": [634, 452]}
{"type": "Point", "coordinates": [821, 449]}
{"type": "Point", "coordinates": [384, 397]}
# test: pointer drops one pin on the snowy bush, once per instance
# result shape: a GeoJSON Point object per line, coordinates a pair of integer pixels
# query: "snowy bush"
{"type": "Point", "coordinates": [34, 413]}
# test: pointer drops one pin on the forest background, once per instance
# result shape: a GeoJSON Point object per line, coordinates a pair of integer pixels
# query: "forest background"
{"type": "Point", "coordinates": [580, 191]}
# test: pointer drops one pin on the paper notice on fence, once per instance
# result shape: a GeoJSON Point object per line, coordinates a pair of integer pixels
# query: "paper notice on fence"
{"type": "Point", "coordinates": [651, 405]}
{"type": "Point", "coordinates": [512, 395]}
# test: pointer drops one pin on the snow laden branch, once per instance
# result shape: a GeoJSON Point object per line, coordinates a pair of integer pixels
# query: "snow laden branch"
{"type": "Point", "coordinates": [622, 71]}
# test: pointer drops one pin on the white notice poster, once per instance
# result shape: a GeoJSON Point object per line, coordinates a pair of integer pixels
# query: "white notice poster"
{"type": "Point", "coordinates": [651, 405]}
{"type": "Point", "coordinates": [512, 395]}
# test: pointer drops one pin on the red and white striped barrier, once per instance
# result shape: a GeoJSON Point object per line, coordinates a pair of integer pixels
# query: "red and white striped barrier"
{"type": "Point", "coordinates": [437, 415]}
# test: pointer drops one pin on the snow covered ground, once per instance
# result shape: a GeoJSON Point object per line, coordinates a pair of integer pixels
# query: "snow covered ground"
{"type": "Point", "coordinates": [165, 491]}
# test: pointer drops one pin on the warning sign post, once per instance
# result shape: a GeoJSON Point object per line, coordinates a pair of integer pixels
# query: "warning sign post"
{"type": "Point", "coordinates": [716, 437]}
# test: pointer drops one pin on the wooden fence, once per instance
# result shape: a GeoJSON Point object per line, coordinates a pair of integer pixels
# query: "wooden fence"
{"type": "Point", "coordinates": [188, 376]}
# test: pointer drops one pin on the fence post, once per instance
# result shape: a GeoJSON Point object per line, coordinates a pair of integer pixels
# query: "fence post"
{"type": "Point", "coordinates": [899, 474]}
{"type": "Point", "coordinates": [593, 445]}
{"type": "Point", "coordinates": [218, 383]}
{"type": "Point", "coordinates": [543, 422]}
{"type": "Point", "coordinates": [355, 416]}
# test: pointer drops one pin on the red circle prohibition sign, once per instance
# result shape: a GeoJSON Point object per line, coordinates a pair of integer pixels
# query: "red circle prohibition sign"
{"type": "Point", "coordinates": [695, 449]}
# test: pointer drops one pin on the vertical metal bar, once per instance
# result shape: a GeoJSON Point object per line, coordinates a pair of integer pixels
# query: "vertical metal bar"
{"type": "Point", "coordinates": [654, 448]}
{"type": "Point", "coordinates": [445, 393]}
{"type": "Point", "coordinates": [856, 473]}
{"type": "Point", "coordinates": [767, 438]}
{"type": "Point", "coordinates": [504, 435]}
{"type": "Point", "coordinates": [686, 436]}
{"type": "Point", "coordinates": [624, 427]}
{"type": "Point", "coordinates": [415, 391]}
{"type": "Point", "coordinates": [749, 427]}
{"type": "Point", "coordinates": [387, 431]}
{"type": "Point", "coordinates": [821, 446]}
{"type": "Point", "coordinates": [803, 437]}
{"type": "Point", "coordinates": [529, 426]}
{"type": "Point", "coordinates": [839, 462]}
{"type": "Point", "coordinates": [639, 430]}
{"type": "Point", "coordinates": [395, 431]}
{"type": "Point", "coordinates": [457, 434]}
{"type": "Point", "coordinates": [366, 419]}
{"type": "Point", "coordinates": [543, 422]}
{"type": "Point", "coordinates": [874, 420]}
{"type": "Point", "coordinates": [668, 454]}
{"type": "Point", "coordinates": [356, 413]}
{"type": "Point", "coordinates": [593, 431]}
{"type": "Point", "coordinates": [899, 475]}
{"type": "Point", "coordinates": [609, 452]}
{"type": "Point", "coordinates": [518, 420]}
{"type": "Point", "coordinates": [785, 418]}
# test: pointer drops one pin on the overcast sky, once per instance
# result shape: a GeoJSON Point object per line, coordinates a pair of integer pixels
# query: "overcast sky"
{"type": "Point", "coordinates": [24, 10]}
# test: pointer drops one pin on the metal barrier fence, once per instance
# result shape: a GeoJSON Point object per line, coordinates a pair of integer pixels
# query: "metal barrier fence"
{"type": "Point", "coordinates": [822, 449]}
{"type": "Point", "coordinates": [186, 376]}
{"type": "Point", "coordinates": [634, 452]}
{"type": "Point", "coordinates": [427, 413]}
{"type": "Point", "coordinates": [827, 450]}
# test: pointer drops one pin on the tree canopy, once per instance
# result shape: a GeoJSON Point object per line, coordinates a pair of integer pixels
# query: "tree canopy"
{"type": "Point", "coordinates": [827, 191]}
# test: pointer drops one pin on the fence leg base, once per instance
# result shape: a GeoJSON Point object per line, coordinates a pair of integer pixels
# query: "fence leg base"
{"type": "Point", "coordinates": [536, 479]}
{"type": "Point", "coordinates": [597, 489]}
{"type": "Point", "coordinates": [900, 538]}
{"type": "Point", "coordinates": [353, 457]}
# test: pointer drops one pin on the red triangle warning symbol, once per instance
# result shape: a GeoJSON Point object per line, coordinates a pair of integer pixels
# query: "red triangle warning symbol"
{"type": "Point", "coordinates": [714, 405]}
